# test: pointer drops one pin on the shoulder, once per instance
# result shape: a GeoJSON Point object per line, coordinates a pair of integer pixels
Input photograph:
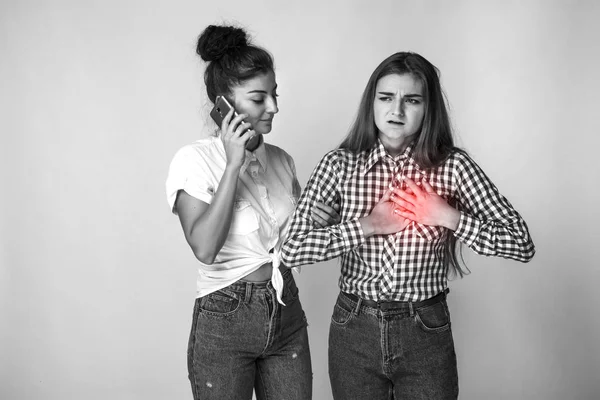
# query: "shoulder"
{"type": "Point", "coordinates": [199, 147]}
{"type": "Point", "coordinates": [459, 160]}
{"type": "Point", "coordinates": [340, 157]}
{"type": "Point", "coordinates": [203, 150]}
{"type": "Point", "coordinates": [335, 164]}
{"type": "Point", "coordinates": [464, 168]}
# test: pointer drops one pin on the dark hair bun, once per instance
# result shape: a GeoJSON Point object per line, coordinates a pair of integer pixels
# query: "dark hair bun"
{"type": "Point", "coordinates": [217, 41]}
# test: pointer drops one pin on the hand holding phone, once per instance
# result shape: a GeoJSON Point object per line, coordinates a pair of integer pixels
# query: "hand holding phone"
{"type": "Point", "coordinates": [220, 111]}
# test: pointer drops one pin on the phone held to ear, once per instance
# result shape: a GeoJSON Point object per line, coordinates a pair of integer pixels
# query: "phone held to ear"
{"type": "Point", "coordinates": [220, 110]}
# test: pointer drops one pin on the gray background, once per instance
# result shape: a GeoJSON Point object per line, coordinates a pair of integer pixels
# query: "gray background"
{"type": "Point", "coordinates": [96, 280]}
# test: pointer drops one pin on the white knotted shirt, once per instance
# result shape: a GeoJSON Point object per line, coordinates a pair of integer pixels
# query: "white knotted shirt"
{"type": "Point", "coordinates": [266, 196]}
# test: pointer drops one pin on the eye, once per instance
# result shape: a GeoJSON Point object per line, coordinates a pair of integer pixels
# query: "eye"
{"type": "Point", "coordinates": [258, 101]}
{"type": "Point", "coordinates": [385, 98]}
{"type": "Point", "coordinates": [413, 101]}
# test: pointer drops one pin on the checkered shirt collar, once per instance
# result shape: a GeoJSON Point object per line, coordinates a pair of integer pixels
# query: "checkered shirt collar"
{"type": "Point", "coordinates": [379, 153]}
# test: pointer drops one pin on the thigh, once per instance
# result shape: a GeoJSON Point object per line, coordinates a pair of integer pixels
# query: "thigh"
{"type": "Point", "coordinates": [285, 371]}
{"type": "Point", "coordinates": [220, 360]}
{"type": "Point", "coordinates": [427, 368]}
{"type": "Point", "coordinates": [355, 356]}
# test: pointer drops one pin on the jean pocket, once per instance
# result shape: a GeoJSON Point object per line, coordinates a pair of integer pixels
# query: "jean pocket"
{"type": "Point", "coordinates": [342, 313]}
{"type": "Point", "coordinates": [220, 303]}
{"type": "Point", "coordinates": [244, 219]}
{"type": "Point", "coordinates": [434, 318]}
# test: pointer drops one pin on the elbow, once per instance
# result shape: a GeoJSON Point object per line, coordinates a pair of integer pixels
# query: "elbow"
{"type": "Point", "coordinates": [204, 250]}
{"type": "Point", "coordinates": [528, 255]}
{"type": "Point", "coordinates": [204, 256]}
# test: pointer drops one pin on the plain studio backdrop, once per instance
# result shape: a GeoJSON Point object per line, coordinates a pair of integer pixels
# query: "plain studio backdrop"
{"type": "Point", "coordinates": [96, 281]}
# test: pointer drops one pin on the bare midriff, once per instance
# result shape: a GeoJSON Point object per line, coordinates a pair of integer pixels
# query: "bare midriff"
{"type": "Point", "coordinates": [262, 274]}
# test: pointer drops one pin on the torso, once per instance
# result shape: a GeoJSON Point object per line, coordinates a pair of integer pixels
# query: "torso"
{"type": "Point", "coordinates": [262, 274]}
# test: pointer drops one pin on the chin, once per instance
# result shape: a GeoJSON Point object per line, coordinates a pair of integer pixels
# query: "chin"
{"type": "Point", "coordinates": [395, 136]}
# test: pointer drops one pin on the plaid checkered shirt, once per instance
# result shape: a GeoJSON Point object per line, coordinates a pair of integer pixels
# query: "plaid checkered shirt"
{"type": "Point", "coordinates": [409, 265]}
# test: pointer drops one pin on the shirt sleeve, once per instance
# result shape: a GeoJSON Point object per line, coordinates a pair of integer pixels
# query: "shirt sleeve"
{"type": "Point", "coordinates": [306, 244]}
{"type": "Point", "coordinates": [189, 171]}
{"type": "Point", "coordinates": [488, 222]}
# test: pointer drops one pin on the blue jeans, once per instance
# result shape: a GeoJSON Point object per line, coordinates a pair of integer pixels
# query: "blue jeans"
{"type": "Point", "coordinates": [243, 339]}
{"type": "Point", "coordinates": [397, 351]}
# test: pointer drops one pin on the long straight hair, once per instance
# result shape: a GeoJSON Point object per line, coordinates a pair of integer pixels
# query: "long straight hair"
{"type": "Point", "coordinates": [433, 143]}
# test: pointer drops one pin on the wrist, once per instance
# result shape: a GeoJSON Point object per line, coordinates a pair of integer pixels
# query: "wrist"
{"type": "Point", "coordinates": [451, 220]}
{"type": "Point", "coordinates": [367, 226]}
{"type": "Point", "coordinates": [230, 177]}
{"type": "Point", "coordinates": [232, 169]}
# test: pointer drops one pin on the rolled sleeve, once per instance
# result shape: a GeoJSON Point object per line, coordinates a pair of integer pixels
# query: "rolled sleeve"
{"type": "Point", "coordinates": [189, 171]}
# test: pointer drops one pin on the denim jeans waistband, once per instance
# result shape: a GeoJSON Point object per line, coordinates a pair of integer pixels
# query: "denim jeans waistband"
{"type": "Point", "coordinates": [243, 289]}
{"type": "Point", "coordinates": [395, 305]}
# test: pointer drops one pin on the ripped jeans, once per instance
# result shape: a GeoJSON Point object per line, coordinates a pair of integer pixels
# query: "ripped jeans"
{"type": "Point", "coordinates": [243, 339]}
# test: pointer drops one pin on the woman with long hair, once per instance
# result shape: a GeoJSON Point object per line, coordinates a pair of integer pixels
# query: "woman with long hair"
{"type": "Point", "coordinates": [407, 195]}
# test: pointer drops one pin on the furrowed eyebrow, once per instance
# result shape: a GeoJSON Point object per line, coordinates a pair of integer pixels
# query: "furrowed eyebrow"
{"type": "Point", "coordinates": [406, 95]}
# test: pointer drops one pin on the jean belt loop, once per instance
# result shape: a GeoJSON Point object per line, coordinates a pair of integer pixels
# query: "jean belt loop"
{"type": "Point", "coordinates": [411, 309]}
{"type": "Point", "coordinates": [357, 308]}
{"type": "Point", "coordinates": [248, 293]}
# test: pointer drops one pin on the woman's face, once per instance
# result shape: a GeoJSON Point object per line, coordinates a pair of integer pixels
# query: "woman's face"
{"type": "Point", "coordinates": [257, 97]}
{"type": "Point", "coordinates": [399, 108]}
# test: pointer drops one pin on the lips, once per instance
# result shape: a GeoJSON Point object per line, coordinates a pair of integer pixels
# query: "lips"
{"type": "Point", "coordinates": [396, 122]}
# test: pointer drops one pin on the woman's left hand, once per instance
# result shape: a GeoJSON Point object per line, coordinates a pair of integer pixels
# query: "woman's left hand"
{"type": "Point", "coordinates": [424, 205]}
{"type": "Point", "coordinates": [323, 215]}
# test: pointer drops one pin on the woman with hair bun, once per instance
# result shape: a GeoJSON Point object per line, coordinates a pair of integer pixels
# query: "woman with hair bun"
{"type": "Point", "coordinates": [235, 195]}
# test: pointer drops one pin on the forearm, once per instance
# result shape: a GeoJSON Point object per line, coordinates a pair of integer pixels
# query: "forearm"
{"type": "Point", "coordinates": [508, 239]}
{"type": "Point", "coordinates": [305, 245]}
{"type": "Point", "coordinates": [489, 224]}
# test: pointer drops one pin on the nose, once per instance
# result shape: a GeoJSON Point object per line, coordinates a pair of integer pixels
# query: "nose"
{"type": "Point", "coordinates": [398, 107]}
{"type": "Point", "coordinates": [272, 105]}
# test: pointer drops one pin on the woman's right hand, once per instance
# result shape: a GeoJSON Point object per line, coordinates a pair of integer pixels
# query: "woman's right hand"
{"type": "Point", "coordinates": [383, 220]}
{"type": "Point", "coordinates": [235, 134]}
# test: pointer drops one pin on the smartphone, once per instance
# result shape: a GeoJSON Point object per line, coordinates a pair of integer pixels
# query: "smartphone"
{"type": "Point", "coordinates": [220, 110]}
